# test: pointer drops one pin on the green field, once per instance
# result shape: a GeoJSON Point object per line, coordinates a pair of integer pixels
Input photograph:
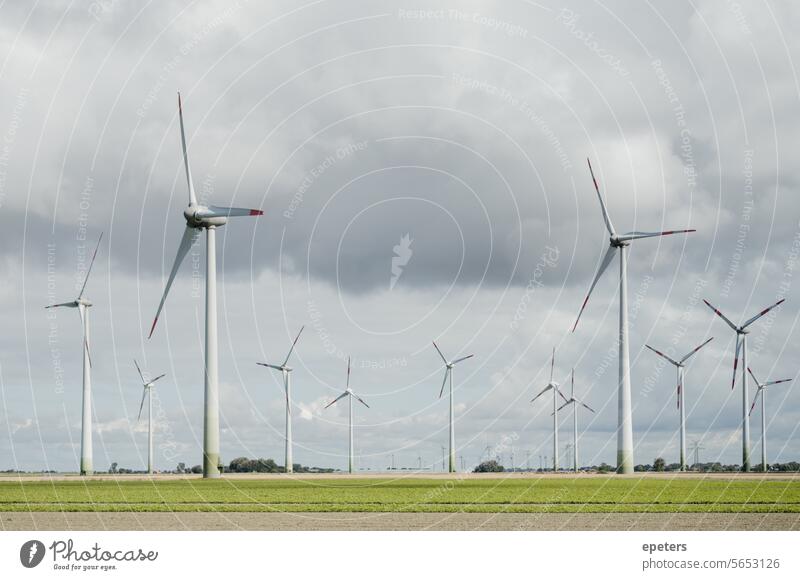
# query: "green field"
{"type": "Point", "coordinates": [578, 495]}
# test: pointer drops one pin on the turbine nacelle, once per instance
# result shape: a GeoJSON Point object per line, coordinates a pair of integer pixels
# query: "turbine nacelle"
{"type": "Point", "coordinates": [199, 216]}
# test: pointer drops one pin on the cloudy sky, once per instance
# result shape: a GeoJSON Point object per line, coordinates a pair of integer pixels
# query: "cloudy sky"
{"type": "Point", "coordinates": [356, 125]}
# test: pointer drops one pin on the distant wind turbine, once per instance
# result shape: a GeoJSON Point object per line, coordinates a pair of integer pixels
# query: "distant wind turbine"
{"type": "Point", "coordinates": [573, 400]}
{"type": "Point", "coordinates": [147, 391]}
{"type": "Point", "coordinates": [83, 305]}
{"type": "Point", "coordinates": [348, 392]}
{"type": "Point", "coordinates": [448, 373]}
{"type": "Point", "coordinates": [552, 385]}
{"type": "Point", "coordinates": [760, 391]}
{"type": "Point", "coordinates": [620, 242]}
{"type": "Point", "coordinates": [679, 366]}
{"type": "Point", "coordinates": [286, 371]}
{"type": "Point", "coordinates": [741, 345]}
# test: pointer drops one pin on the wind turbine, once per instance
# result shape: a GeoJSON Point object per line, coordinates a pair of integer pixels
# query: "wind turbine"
{"type": "Point", "coordinates": [286, 371]}
{"type": "Point", "coordinates": [448, 373]}
{"type": "Point", "coordinates": [209, 218]}
{"type": "Point", "coordinates": [349, 391]}
{"type": "Point", "coordinates": [741, 345]}
{"type": "Point", "coordinates": [147, 391]}
{"type": "Point", "coordinates": [621, 242]}
{"type": "Point", "coordinates": [679, 366]}
{"type": "Point", "coordinates": [554, 387]}
{"type": "Point", "coordinates": [83, 305]}
{"type": "Point", "coordinates": [760, 391]}
{"type": "Point", "coordinates": [574, 401]}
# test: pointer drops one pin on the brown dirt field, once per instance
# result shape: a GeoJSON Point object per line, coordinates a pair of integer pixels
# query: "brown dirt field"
{"type": "Point", "coordinates": [392, 521]}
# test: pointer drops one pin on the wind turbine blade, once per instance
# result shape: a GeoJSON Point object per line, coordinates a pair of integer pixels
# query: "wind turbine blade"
{"type": "Point", "coordinates": [89, 271]}
{"type": "Point", "coordinates": [561, 407]}
{"type": "Point", "coordinates": [276, 367]}
{"type": "Point", "coordinates": [189, 237]}
{"type": "Point", "coordinates": [141, 376]}
{"type": "Point", "coordinates": [552, 364]}
{"type": "Point", "coordinates": [158, 377]}
{"type": "Point", "coordinates": [587, 406]}
{"type": "Point", "coordinates": [440, 352]}
{"type": "Point", "coordinates": [294, 343]}
{"type": "Point", "coordinates": [721, 315]}
{"type": "Point", "coordinates": [684, 359]}
{"type": "Point", "coordinates": [603, 265]}
{"type": "Point", "coordinates": [458, 360]}
{"type": "Point", "coordinates": [572, 394]}
{"type": "Point", "coordinates": [72, 304]}
{"type": "Point", "coordinates": [217, 211]}
{"type": "Point", "coordinates": [141, 405]}
{"type": "Point", "coordinates": [562, 394]}
{"type": "Point", "coordinates": [768, 383]}
{"type": "Point", "coordinates": [606, 217]}
{"type": "Point", "coordinates": [85, 340]}
{"type": "Point", "coordinates": [547, 388]}
{"type": "Point", "coordinates": [736, 359]}
{"type": "Point", "coordinates": [662, 355]}
{"type": "Point", "coordinates": [192, 196]}
{"type": "Point", "coordinates": [444, 382]}
{"type": "Point", "coordinates": [348, 373]}
{"type": "Point", "coordinates": [754, 377]}
{"type": "Point", "coordinates": [336, 399]}
{"type": "Point", "coordinates": [762, 313]}
{"type": "Point", "coordinates": [679, 391]}
{"type": "Point", "coordinates": [361, 400]}
{"type": "Point", "coordinates": [639, 235]}
{"type": "Point", "coordinates": [753, 406]}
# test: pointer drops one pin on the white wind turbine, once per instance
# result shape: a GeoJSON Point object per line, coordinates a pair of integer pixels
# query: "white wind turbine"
{"type": "Point", "coordinates": [448, 373]}
{"type": "Point", "coordinates": [621, 242]}
{"type": "Point", "coordinates": [679, 366]}
{"type": "Point", "coordinates": [349, 391]}
{"type": "Point", "coordinates": [286, 371]}
{"type": "Point", "coordinates": [760, 391]}
{"type": "Point", "coordinates": [574, 401]}
{"type": "Point", "coordinates": [552, 385]}
{"type": "Point", "coordinates": [147, 391]}
{"type": "Point", "coordinates": [83, 305]}
{"type": "Point", "coordinates": [741, 345]}
{"type": "Point", "coordinates": [209, 218]}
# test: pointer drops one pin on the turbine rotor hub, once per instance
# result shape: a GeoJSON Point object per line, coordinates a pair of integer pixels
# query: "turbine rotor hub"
{"type": "Point", "coordinates": [195, 218]}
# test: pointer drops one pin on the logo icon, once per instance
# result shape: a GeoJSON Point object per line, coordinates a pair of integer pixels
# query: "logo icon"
{"type": "Point", "coordinates": [31, 553]}
{"type": "Point", "coordinates": [402, 254]}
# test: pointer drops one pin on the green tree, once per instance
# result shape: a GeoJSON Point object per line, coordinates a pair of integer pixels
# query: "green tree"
{"type": "Point", "coordinates": [659, 464]}
{"type": "Point", "coordinates": [489, 467]}
{"type": "Point", "coordinates": [113, 468]}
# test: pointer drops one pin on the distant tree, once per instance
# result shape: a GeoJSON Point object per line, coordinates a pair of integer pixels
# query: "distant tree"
{"type": "Point", "coordinates": [489, 467]}
{"type": "Point", "coordinates": [604, 468]}
{"type": "Point", "coordinates": [181, 468]}
{"type": "Point", "coordinates": [197, 469]}
{"type": "Point", "coordinates": [113, 468]}
{"type": "Point", "coordinates": [659, 464]}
